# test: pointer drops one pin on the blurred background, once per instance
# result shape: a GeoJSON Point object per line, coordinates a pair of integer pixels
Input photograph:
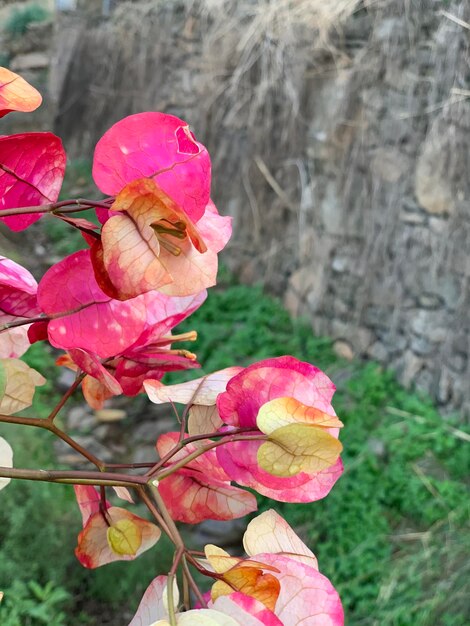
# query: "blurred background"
{"type": "Point", "coordinates": [340, 138]}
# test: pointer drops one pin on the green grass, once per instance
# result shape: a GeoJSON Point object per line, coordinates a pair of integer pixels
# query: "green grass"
{"type": "Point", "coordinates": [392, 535]}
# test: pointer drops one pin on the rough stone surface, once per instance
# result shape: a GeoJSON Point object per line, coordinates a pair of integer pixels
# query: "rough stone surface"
{"type": "Point", "coordinates": [370, 147]}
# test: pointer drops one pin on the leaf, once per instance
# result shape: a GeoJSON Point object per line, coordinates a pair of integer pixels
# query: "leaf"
{"type": "Point", "coordinates": [283, 411]}
{"type": "Point", "coordinates": [19, 384]}
{"type": "Point", "coordinates": [157, 146]}
{"type": "Point", "coordinates": [94, 549]}
{"type": "Point", "coordinates": [142, 243]}
{"type": "Point", "coordinates": [32, 167]}
{"type": "Point", "coordinates": [124, 537]}
{"type": "Point", "coordinates": [6, 460]}
{"type": "Point", "coordinates": [84, 316]}
{"type": "Point", "coordinates": [16, 94]}
{"type": "Point", "coordinates": [306, 596]}
{"type": "Point", "coordinates": [269, 532]}
{"type": "Point", "coordinates": [201, 391]}
{"type": "Point", "coordinates": [298, 448]}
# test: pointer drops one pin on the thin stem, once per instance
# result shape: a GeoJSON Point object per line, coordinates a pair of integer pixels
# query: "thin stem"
{"type": "Point", "coordinates": [171, 581]}
{"type": "Point", "coordinates": [214, 444]}
{"type": "Point", "coordinates": [111, 466]}
{"type": "Point", "coordinates": [51, 427]}
{"type": "Point", "coordinates": [77, 205]}
{"type": "Point", "coordinates": [74, 477]}
{"type": "Point", "coordinates": [192, 583]}
{"type": "Point", "coordinates": [186, 594]}
{"type": "Point", "coordinates": [23, 322]}
{"type": "Point", "coordinates": [73, 387]}
{"type": "Point", "coordinates": [184, 442]}
{"type": "Point", "coordinates": [176, 537]}
{"type": "Point", "coordinates": [76, 446]}
{"type": "Point", "coordinates": [155, 512]}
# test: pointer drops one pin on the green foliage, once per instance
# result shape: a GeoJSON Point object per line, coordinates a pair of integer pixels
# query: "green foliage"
{"type": "Point", "coordinates": [30, 604]}
{"type": "Point", "coordinates": [19, 20]}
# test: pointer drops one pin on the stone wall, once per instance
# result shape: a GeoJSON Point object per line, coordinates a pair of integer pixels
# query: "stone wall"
{"type": "Point", "coordinates": [340, 145]}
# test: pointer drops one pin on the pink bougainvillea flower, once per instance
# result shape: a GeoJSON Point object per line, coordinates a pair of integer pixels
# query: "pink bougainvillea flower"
{"type": "Point", "coordinates": [201, 489]}
{"type": "Point", "coordinates": [16, 94]}
{"type": "Point", "coordinates": [110, 533]}
{"type": "Point", "coordinates": [32, 167]}
{"type": "Point", "coordinates": [288, 403]}
{"type": "Point", "coordinates": [17, 300]}
{"type": "Point", "coordinates": [83, 315]}
{"type": "Point", "coordinates": [150, 355]}
{"type": "Point", "coordinates": [304, 595]}
{"type": "Point", "coordinates": [160, 147]}
{"type": "Point", "coordinates": [269, 532]}
{"type": "Point", "coordinates": [150, 243]}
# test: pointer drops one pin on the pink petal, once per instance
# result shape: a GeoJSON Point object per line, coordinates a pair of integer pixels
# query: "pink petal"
{"type": "Point", "coordinates": [269, 532]}
{"type": "Point", "coordinates": [92, 365]}
{"type": "Point", "coordinates": [192, 497]}
{"type": "Point", "coordinates": [86, 318]}
{"type": "Point", "coordinates": [198, 269]}
{"type": "Point", "coordinates": [143, 145]}
{"type": "Point", "coordinates": [274, 378]}
{"type": "Point", "coordinates": [17, 300]}
{"type": "Point", "coordinates": [32, 167]}
{"type": "Point", "coordinates": [164, 312]}
{"type": "Point", "coordinates": [88, 500]}
{"type": "Point", "coordinates": [152, 607]}
{"type": "Point", "coordinates": [239, 461]}
{"type": "Point", "coordinates": [307, 597]}
{"type": "Point", "coordinates": [201, 490]}
{"type": "Point", "coordinates": [246, 610]}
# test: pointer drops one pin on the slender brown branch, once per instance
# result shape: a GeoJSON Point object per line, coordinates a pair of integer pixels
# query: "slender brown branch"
{"type": "Point", "coordinates": [112, 466]}
{"type": "Point", "coordinates": [51, 427]}
{"type": "Point", "coordinates": [155, 512]}
{"type": "Point", "coordinates": [74, 477]}
{"type": "Point", "coordinates": [171, 581]}
{"type": "Point", "coordinates": [73, 387]}
{"type": "Point", "coordinates": [23, 322]}
{"type": "Point", "coordinates": [214, 444]}
{"type": "Point", "coordinates": [192, 583]}
{"type": "Point", "coordinates": [66, 206]}
{"type": "Point", "coordinates": [176, 537]}
{"type": "Point", "coordinates": [23, 421]}
{"type": "Point", "coordinates": [184, 442]}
